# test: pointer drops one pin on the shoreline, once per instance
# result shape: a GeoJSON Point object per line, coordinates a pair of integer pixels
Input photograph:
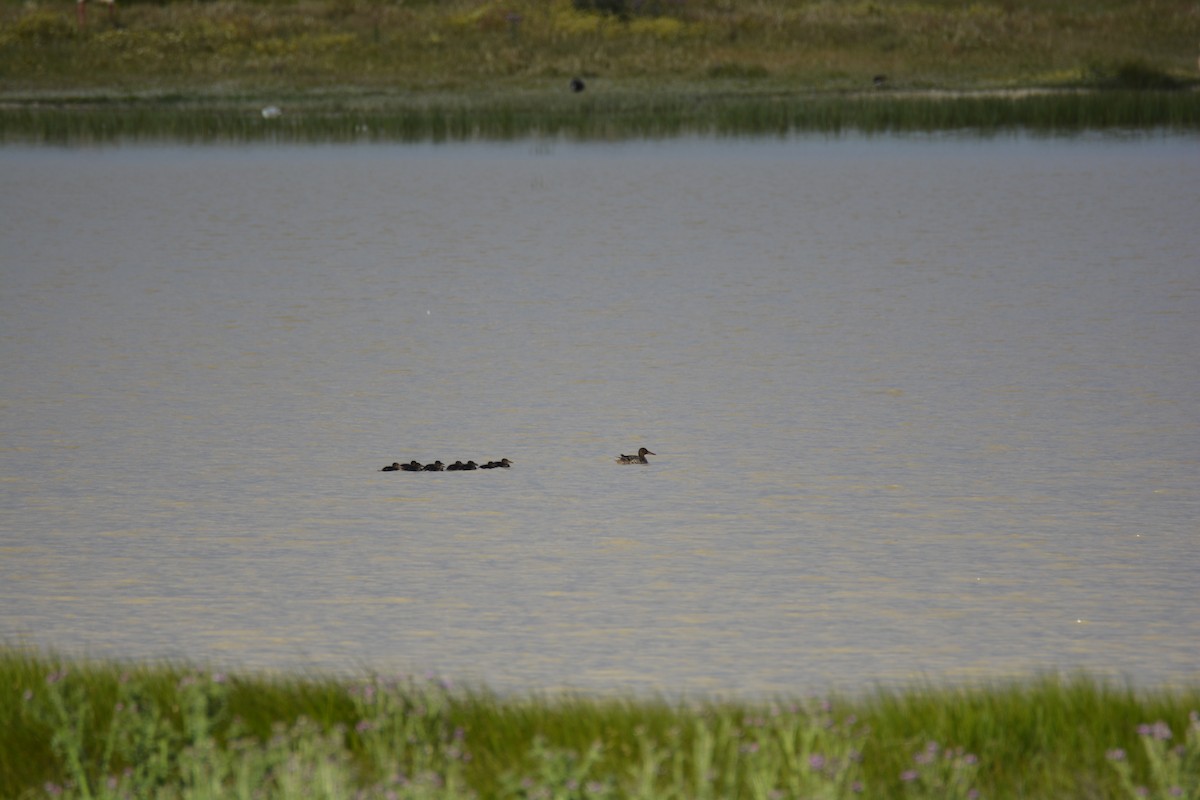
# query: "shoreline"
{"type": "Point", "coordinates": [591, 69]}
{"type": "Point", "coordinates": [355, 114]}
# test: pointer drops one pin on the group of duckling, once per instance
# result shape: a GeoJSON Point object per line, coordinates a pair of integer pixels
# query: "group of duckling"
{"type": "Point", "coordinates": [438, 466]}
{"type": "Point", "coordinates": [504, 463]}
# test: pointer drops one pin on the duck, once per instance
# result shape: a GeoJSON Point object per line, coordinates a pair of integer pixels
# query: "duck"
{"type": "Point", "coordinates": [394, 466]}
{"type": "Point", "coordinates": [470, 465]}
{"type": "Point", "coordinates": [503, 463]}
{"type": "Point", "coordinates": [436, 466]}
{"type": "Point", "coordinates": [412, 466]}
{"type": "Point", "coordinates": [456, 466]}
{"type": "Point", "coordinates": [640, 458]}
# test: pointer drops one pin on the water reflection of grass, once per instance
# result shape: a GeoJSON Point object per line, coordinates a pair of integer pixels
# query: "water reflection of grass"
{"type": "Point", "coordinates": [80, 729]}
{"type": "Point", "coordinates": [619, 115]}
{"type": "Point", "coordinates": [426, 70]}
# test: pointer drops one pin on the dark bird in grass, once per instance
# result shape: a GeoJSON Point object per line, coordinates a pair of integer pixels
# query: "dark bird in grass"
{"type": "Point", "coordinates": [577, 85]}
{"type": "Point", "coordinates": [879, 81]}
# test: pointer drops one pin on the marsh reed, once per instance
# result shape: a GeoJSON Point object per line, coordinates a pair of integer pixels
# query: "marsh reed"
{"type": "Point", "coordinates": [417, 119]}
{"type": "Point", "coordinates": [88, 729]}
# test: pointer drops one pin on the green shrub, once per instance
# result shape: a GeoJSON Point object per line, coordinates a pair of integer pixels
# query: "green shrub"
{"type": "Point", "coordinates": [1133, 74]}
{"type": "Point", "coordinates": [42, 26]}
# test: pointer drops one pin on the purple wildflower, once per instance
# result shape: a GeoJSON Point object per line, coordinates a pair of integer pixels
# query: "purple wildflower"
{"type": "Point", "coordinates": [1116, 754]}
{"type": "Point", "coordinates": [816, 761]}
{"type": "Point", "coordinates": [909, 775]}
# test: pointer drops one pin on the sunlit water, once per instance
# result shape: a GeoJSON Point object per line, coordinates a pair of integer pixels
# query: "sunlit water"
{"type": "Point", "coordinates": [921, 408]}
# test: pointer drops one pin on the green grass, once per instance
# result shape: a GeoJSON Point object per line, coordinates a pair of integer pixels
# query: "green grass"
{"type": "Point", "coordinates": [76, 728]}
{"type": "Point", "coordinates": [489, 44]}
{"type": "Point", "coordinates": [417, 69]}
{"type": "Point", "coordinates": [619, 115]}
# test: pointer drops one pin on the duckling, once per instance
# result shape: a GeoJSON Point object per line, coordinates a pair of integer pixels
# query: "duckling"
{"type": "Point", "coordinates": [640, 458]}
{"type": "Point", "coordinates": [455, 467]}
{"type": "Point", "coordinates": [395, 465]}
{"type": "Point", "coordinates": [436, 466]}
{"type": "Point", "coordinates": [412, 466]}
{"type": "Point", "coordinates": [503, 463]}
{"type": "Point", "coordinates": [470, 465]}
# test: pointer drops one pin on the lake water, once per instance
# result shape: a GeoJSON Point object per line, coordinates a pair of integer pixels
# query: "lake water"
{"type": "Point", "coordinates": [922, 408]}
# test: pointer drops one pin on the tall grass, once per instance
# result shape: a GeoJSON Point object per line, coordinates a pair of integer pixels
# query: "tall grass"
{"type": "Point", "coordinates": [620, 115]}
{"type": "Point", "coordinates": [74, 728]}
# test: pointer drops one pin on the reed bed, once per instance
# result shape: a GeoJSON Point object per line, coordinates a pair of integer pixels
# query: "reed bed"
{"type": "Point", "coordinates": [89, 729]}
{"type": "Point", "coordinates": [634, 115]}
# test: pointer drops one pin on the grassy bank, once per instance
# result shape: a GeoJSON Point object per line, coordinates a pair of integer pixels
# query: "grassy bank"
{"type": "Point", "coordinates": [417, 69]}
{"type": "Point", "coordinates": [86, 729]}
{"type": "Point", "coordinates": [344, 118]}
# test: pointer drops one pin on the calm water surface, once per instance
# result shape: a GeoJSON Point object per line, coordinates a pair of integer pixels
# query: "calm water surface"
{"type": "Point", "coordinates": [922, 408]}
